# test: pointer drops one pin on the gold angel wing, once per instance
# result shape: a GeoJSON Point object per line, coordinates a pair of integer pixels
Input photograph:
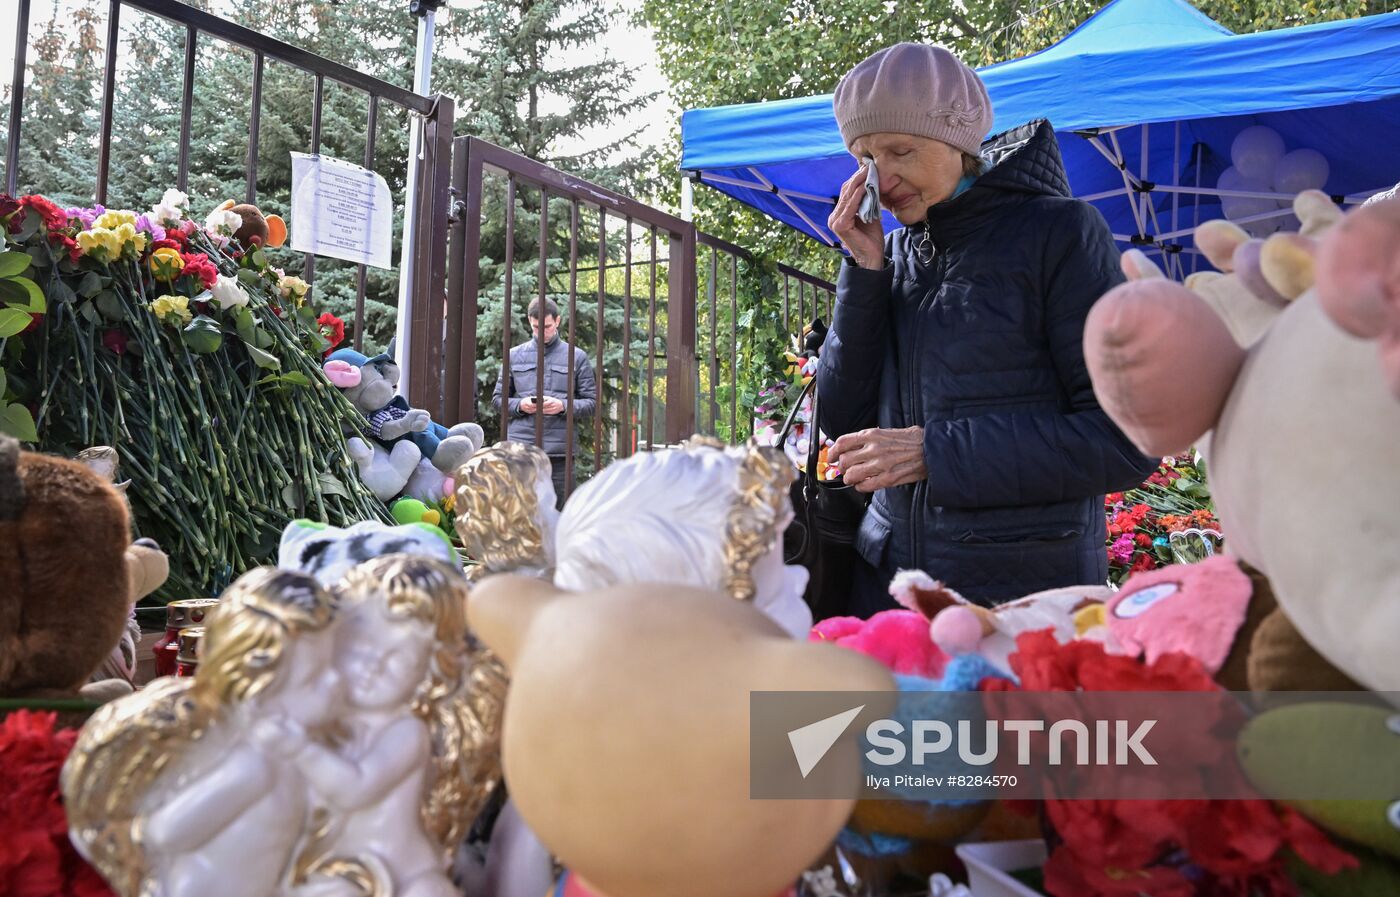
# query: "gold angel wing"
{"type": "Point", "coordinates": [121, 751]}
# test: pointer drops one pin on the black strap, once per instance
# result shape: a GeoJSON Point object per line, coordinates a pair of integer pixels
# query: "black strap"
{"type": "Point", "coordinates": [792, 415]}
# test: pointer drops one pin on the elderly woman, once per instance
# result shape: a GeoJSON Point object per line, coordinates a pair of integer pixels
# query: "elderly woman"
{"type": "Point", "coordinates": [954, 374]}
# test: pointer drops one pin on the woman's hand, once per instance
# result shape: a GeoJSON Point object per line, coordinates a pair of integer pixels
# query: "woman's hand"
{"type": "Point", "coordinates": [873, 459]}
{"type": "Point", "coordinates": [865, 242]}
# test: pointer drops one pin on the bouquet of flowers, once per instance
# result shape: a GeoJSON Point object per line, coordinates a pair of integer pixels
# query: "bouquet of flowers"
{"type": "Point", "coordinates": [196, 359]}
{"type": "Point", "coordinates": [1168, 519]}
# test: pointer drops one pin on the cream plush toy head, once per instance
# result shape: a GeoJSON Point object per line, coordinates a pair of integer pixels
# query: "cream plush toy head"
{"type": "Point", "coordinates": [1301, 412]}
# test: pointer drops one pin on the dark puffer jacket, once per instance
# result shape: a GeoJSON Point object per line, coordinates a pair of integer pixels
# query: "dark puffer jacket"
{"type": "Point", "coordinates": [973, 331]}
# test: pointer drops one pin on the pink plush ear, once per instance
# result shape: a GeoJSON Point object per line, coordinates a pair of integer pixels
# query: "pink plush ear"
{"type": "Point", "coordinates": [342, 373]}
{"type": "Point", "coordinates": [1358, 280]}
{"type": "Point", "coordinates": [956, 631]}
{"type": "Point", "coordinates": [1194, 608]}
{"type": "Point", "coordinates": [1162, 363]}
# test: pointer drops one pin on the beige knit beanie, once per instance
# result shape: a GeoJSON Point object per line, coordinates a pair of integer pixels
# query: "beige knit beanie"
{"type": "Point", "coordinates": [914, 89]}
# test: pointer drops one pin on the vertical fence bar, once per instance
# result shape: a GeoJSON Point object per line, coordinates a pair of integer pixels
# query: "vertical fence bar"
{"type": "Point", "coordinates": [429, 274]}
{"type": "Point", "coordinates": [734, 348]}
{"type": "Point", "coordinates": [626, 422]}
{"type": "Point", "coordinates": [573, 336]}
{"type": "Point", "coordinates": [456, 311]}
{"type": "Point", "coordinates": [787, 299]}
{"type": "Point", "coordinates": [651, 346]}
{"type": "Point", "coordinates": [468, 250]}
{"type": "Point", "coordinates": [540, 348]}
{"type": "Point", "coordinates": [714, 342]}
{"type": "Point", "coordinates": [109, 90]}
{"type": "Point", "coordinates": [17, 100]}
{"type": "Point", "coordinates": [372, 125]}
{"type": "Point", "coordinates": [250, 192]}
{"type": "Point", "coordinates": [507, 298]}
{"type": "Point", "coordinates": [182, 176]}
{"type": "Point", "coordinates": [682, 375]}
{"type": "Point", "coordinates": [600, 369]}
{"type": "Point", "coordinates": [318, 94]}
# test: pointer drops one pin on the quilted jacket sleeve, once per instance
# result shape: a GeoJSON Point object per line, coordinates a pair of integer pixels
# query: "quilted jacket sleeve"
{"type": "Point", "coordinates": [1020, 458]}
{"type": "Point", "coordinates": [853, 354]}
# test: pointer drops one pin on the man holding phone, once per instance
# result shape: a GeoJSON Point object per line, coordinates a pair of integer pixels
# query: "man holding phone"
{"type": "Point", "coordinates": [526, 402]}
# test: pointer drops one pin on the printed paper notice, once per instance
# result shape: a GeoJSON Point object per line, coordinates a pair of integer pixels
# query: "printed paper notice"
{"type": "Point", "coordinates": [340, 210]}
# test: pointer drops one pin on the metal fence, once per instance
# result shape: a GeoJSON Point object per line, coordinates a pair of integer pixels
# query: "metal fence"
{"type": "Point", "coordinates": [436, 112]}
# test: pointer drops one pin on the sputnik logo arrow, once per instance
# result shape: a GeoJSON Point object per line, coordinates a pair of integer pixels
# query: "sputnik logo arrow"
{"type": "Point", "coordinates": [811, 742]}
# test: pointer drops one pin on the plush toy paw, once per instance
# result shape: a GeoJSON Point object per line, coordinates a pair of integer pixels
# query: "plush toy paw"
{"type": "Point", "coordinates": [452, 453]}
{"type": "Point", "coordinates": [472, 431]}
{"type": "Point", "coordinates": [1150, 332]}
{"type": "Point", "coordinates": [1358, 274]}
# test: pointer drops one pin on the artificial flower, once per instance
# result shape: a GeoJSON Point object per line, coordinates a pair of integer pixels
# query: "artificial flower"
{"type": "Point", "coordinates": [223, 222]}
{"type": "Point", "coordinates": [173, 310]}
{"type": "Point", "coordinates": [228, 294]}
{"type": "Point", "coordinates": [166, 263]}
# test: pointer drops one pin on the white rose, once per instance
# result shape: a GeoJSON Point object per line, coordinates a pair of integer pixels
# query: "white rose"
{"type": "Point", "coordinates": [223, 221]}
{"type": "Point", "coordinates": [171, 207]}
{"type": "Point", "coordinates": [228, 294]}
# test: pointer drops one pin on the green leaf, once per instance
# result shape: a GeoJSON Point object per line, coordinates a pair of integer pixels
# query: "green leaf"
{"type": "Point", "coordinates": [16, 421]}
{"type": "Point", "coordinates": [28, 229]}
{"type": "Point", "coordinates": [40, 256]}
{"type": "Point", "coordinates": [330, 485]}
{"type": "Point", "coordinates": [203, 335]}
{"type": "Point", "coordinates": [295, 378]}
{"type": "Point", "coordinates": [244, 324]}
{"type": "Point", "coordinates": [90, 285]}
{"type": "Point", "coordinates": [291, 495]}
{"type": "Point", "coordinates": [263, 339]}
{"type": "Point", "coordinates": [89, 312]}
{"type": "Point", "coordinates": [264, 359]}
{"type": "Point", "coordinates": [4, 382]}
{"type": "Point", "coordinates": [110, 305]}
{"type": "Point", "coordinates": [23, 293]}
{"type": "Point", "coordinates": [13, 263]}
{"type": "Point", "coordinates": [12, 321]}
{"type": "Point", "coordinates": [259, 258]}
{"type": "Point", "coordinates": [249, 277]}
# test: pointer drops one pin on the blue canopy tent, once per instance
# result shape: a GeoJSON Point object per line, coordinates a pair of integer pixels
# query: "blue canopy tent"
{"type": "Point", "coordinates": [1146, 96]}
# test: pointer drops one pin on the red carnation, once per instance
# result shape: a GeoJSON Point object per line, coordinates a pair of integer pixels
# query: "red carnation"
{"type": "Point", "coordinates": [167, 243]}
{"type": "Point", "coordinates": [115, 341]}
{"type": "Point", "coordinates": [54, 217]}
{"type": "Point", "coordinates": [8, 205]}
{"type": "Point", "coordinates": [1143, 563]}
{"type": "Point", "coordinates": [332, 328]}
{"type": "Point", "coordinates": [197, 264]}
{"type": "Point", "coordinates": [67, 244]}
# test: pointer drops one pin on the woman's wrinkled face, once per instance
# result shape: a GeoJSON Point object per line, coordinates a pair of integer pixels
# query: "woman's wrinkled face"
{"type": "Point", "coordinates": [915, 172]}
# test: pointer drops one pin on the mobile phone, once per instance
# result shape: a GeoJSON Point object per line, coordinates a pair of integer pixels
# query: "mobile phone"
{"type": "Point", "coordinates": [870, 205]}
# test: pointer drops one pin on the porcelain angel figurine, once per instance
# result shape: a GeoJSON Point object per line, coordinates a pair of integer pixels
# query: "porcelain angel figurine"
{"type": "Point", "coordinates": [332, 742]}
{"type": "Point", "coordinates": [168, 792]}
{"type": "Point", "coordinates": [505, 513]}
{"type": "Point", "coordinates": [704, 515]}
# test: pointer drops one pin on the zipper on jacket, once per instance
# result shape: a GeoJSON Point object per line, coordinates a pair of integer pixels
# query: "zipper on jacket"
{"type": "Point", "coordinates": [921, 488]}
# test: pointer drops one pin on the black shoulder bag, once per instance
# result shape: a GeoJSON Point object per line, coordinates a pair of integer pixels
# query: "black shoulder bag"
{"type": "Point", "coordinates": [826, 519]}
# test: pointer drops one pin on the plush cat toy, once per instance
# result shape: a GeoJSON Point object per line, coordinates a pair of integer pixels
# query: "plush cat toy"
{"type": "Point", "coordinates": [64, 536]}
{"type": "Point", "coordinates": [1302, 414]}
{"type": "Point", "coordinates": [329, 552]}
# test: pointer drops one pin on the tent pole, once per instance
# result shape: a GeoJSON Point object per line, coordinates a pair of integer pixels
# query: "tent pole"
{"type": "Point", "coordinates": [1196, 213]}
{"type": "Point", "coordinates": [1107, 194]}
{"type": "Point", "coordinates": [1127, 178]}
{"type": "Point", "coordinates": [687, 199]}
{"type": "Point", "coordinates": [1143, 198]}
{"type": "Point", "coordinates": [1176, 197]}
{"type": "Point", "coordinates": [710, 178]}
{"type": "Point", "coordinates": [830, 241]}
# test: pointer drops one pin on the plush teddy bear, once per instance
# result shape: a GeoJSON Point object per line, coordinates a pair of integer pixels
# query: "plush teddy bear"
{"type": "Point", "coordinates": [64, 537]}
{"type": "Point", "coordinates": [369, 384]}
{"type": "Point", "coordinates": [257, 229]}
{"type": "Point", "coordinates": [650, 795]}
{"type": "Point", "coordinates": [1301, 416]}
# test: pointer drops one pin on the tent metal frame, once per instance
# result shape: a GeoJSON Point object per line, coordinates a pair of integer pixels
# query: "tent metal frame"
{"type": "Point", "coordinates": [1137, 189]}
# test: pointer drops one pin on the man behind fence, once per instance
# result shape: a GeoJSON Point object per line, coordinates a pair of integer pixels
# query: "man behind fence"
{"type": "Point", "coordinates": [526, 398]}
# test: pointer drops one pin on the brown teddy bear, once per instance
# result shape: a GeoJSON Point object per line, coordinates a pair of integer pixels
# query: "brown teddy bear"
{"type": "Point", "coordinates": [257, 229]}
{"type": "Point", "coordinates": [64, 536]}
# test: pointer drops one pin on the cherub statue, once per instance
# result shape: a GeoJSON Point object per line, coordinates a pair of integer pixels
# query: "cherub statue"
{"type": "Point", "coordinates": [333, 742]}
{"type": "Point", "coordinates": [167, 791]}
{"type": "Point", "coordinates": [703, 515]}
{"type": "Point", "coordinates": [505, 511]}
{"type": "Point", "coordinates": [422, 718]}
